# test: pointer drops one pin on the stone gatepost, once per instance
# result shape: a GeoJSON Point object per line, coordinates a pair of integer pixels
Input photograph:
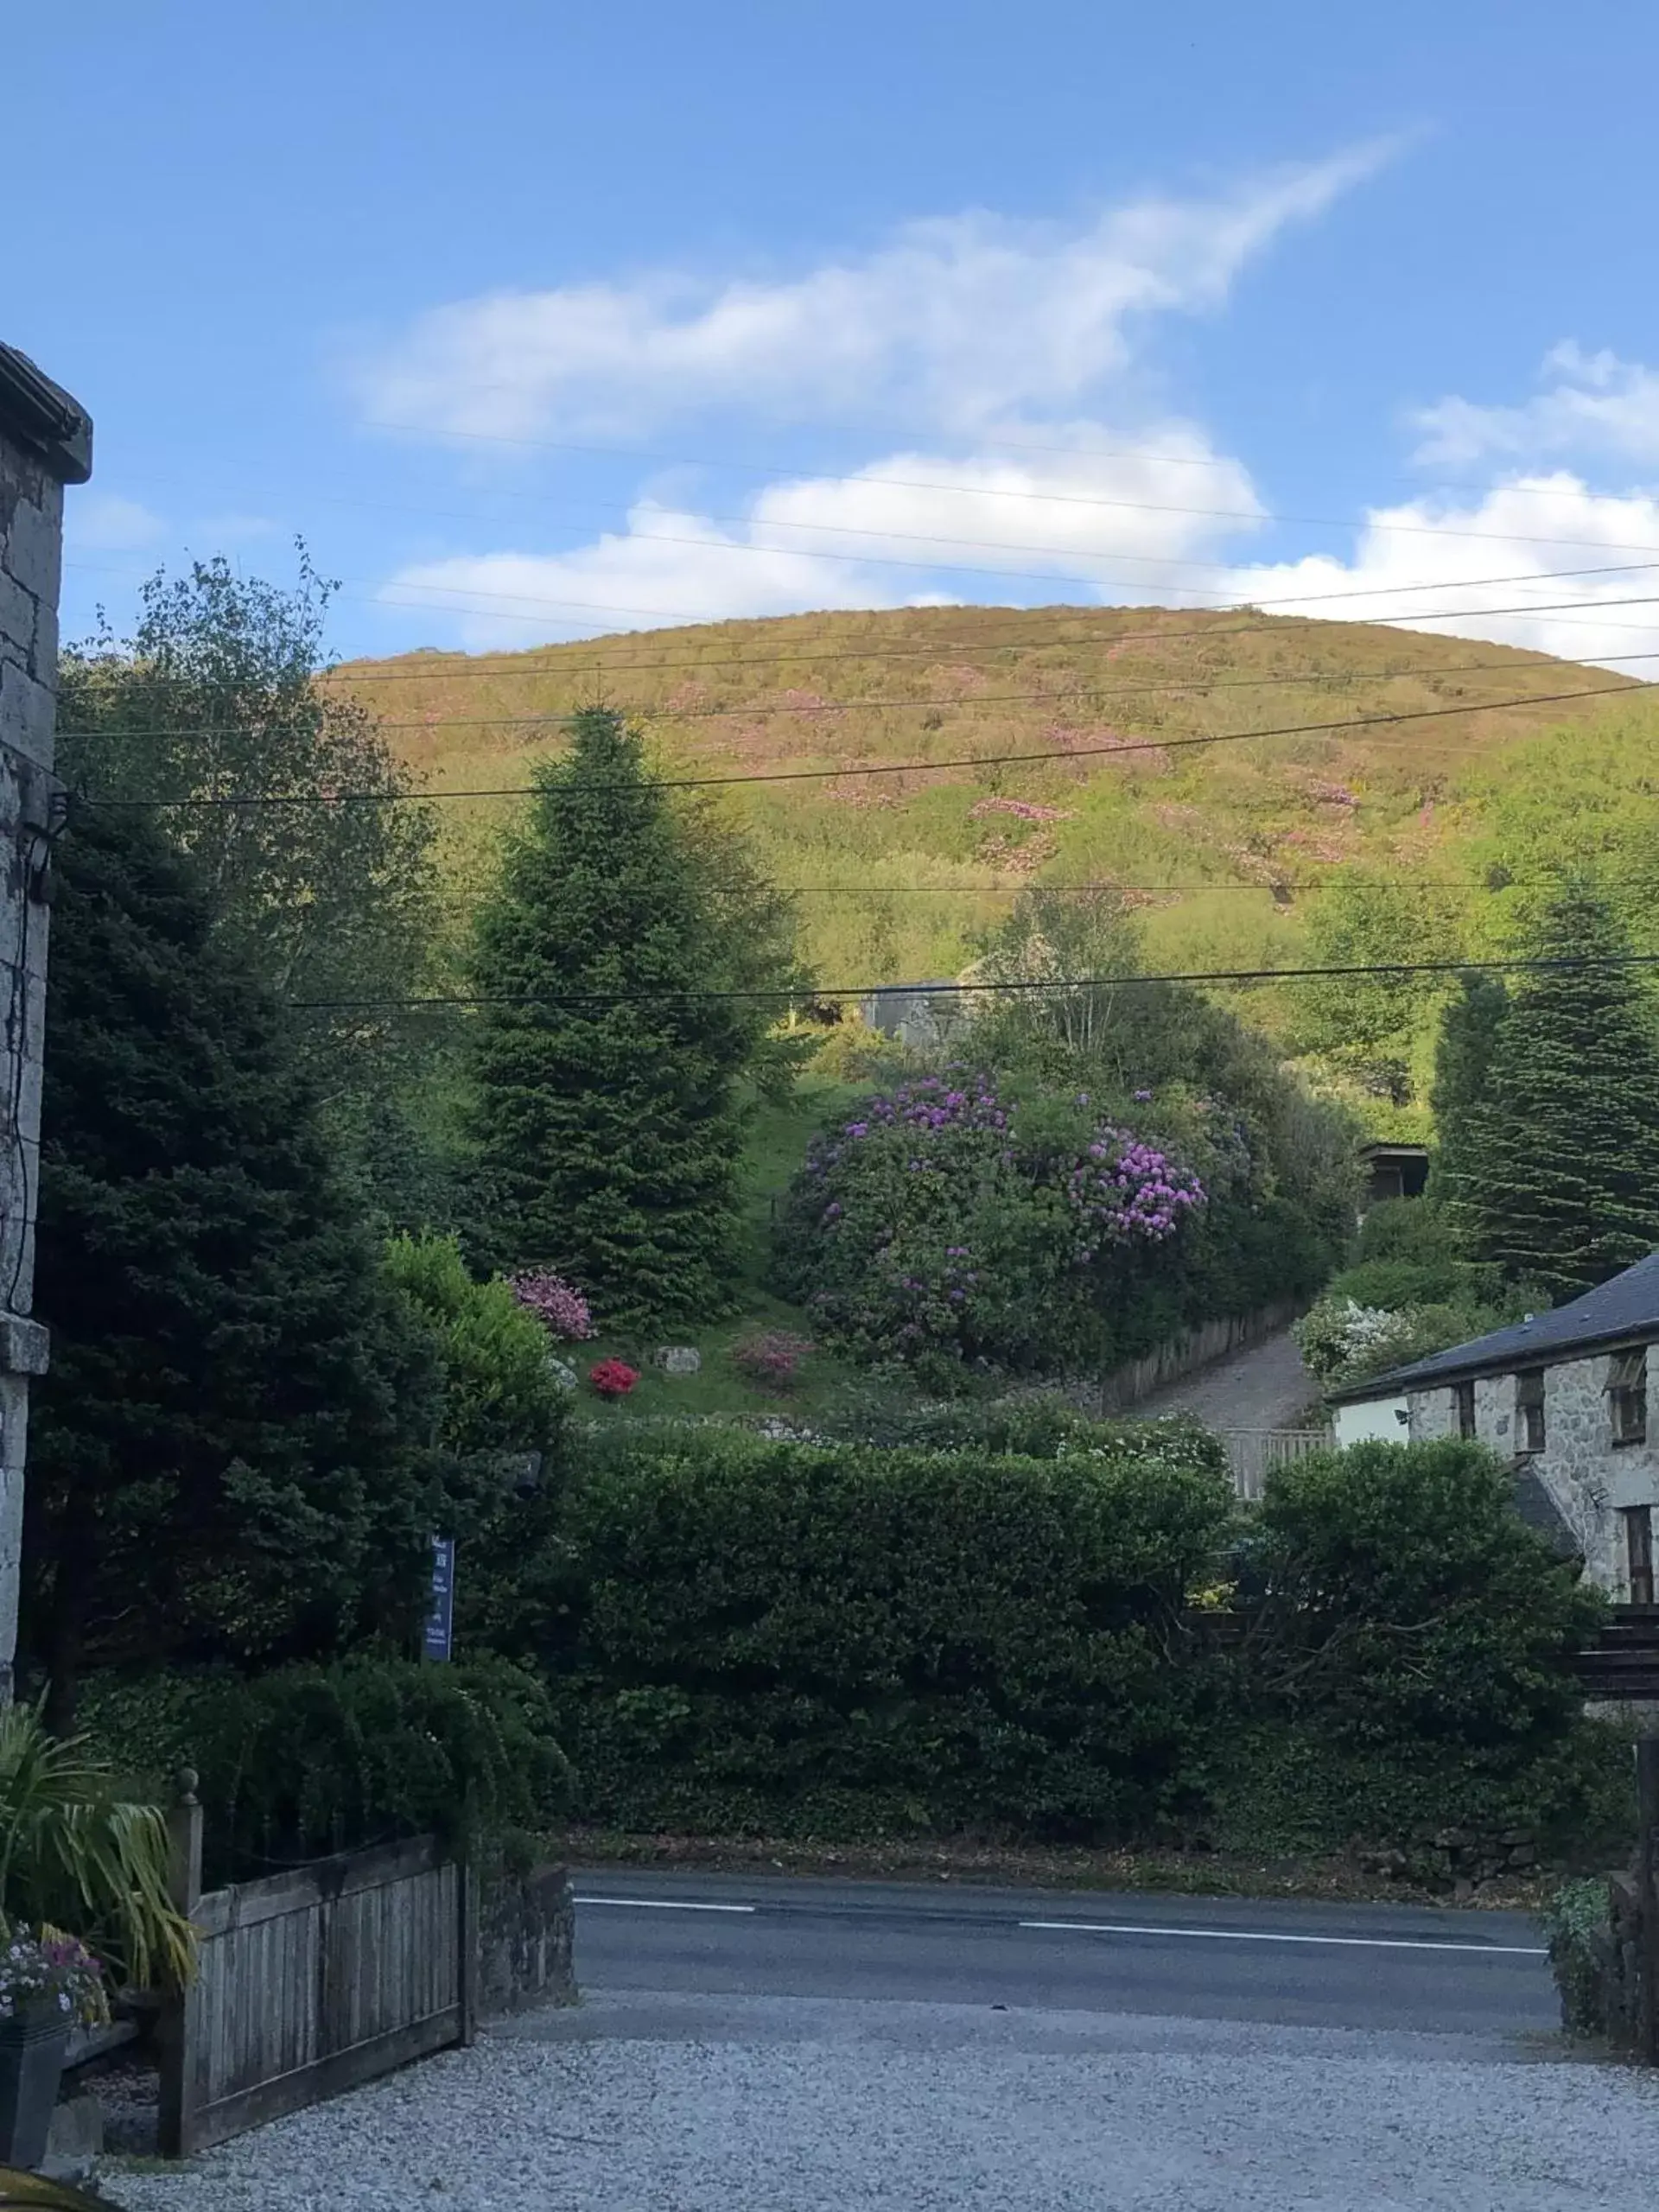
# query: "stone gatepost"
{"type": "Point", "coordinates": [46, 442]}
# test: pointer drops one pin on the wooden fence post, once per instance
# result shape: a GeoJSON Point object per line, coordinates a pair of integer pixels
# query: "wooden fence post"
{"type": "Point", "coordinates": [181, 2020]}
{"type": "Point", "coordinates": [467, 1935]}
{"type": "Point", "coordinates": [1647, 1866]}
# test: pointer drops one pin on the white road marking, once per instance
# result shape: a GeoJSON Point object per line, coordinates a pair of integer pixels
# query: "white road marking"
{"type": "Point", "coordinates": [1266, 1935]}
{"type": "Point", "coordinates": [665, 1904]}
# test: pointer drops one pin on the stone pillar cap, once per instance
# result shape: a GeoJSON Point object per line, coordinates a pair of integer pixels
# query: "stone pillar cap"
{"type": "Point", "coordinates": [39, 413]}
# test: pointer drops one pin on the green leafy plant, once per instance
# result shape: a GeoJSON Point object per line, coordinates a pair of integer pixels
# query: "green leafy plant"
{"type": "Point", "coordinates": [74, 1854]}
{"type": "Point", "coordinates": [1578, 1928]}
{"type": "Point", "coordinates": [309, 1760]}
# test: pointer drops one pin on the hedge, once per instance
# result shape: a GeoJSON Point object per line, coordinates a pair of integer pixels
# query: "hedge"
{"type": "Point", "coordinates": [797, 1639]}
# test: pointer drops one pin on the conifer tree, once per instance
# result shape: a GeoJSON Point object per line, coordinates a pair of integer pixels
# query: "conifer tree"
{"type": "Point", "coordinates": [608, 1068]}
{"type": "Point", "coordinates": [230, 1457]}
{"type": "Point", "coordinates": [1463, 1074]}
{"type": "Point", "coordinates": [1559, 1180]}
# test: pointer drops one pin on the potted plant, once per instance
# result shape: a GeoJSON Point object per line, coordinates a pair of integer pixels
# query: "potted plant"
{"type": "Point", "coordinates": [49, 1983]}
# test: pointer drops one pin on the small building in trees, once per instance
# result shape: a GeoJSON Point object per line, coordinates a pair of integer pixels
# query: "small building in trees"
{"type": "Point", "coordinates": [46, 442]}
{"type": "Point", "coordinates": [1392, 1171]}
{"type": "Point", "coordinates": [1565, 1396]}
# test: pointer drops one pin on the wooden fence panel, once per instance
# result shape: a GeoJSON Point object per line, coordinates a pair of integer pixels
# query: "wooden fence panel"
{"type": "Point", "coordinates": [310, 1983]}
{"type": "Point", "coordinates": [1251, 1453]}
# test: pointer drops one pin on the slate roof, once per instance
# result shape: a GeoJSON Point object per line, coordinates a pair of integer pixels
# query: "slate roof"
{"type": "Point", "coordinates": [1623, 1310]}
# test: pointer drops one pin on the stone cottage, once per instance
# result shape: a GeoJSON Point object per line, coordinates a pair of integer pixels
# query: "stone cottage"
{"type": "Point", "coordinates": [45, 443]}
{"type": "Point", "coordinates": [1564, 1397]}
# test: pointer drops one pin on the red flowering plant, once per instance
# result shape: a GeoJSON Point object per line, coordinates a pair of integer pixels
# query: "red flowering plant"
{"type": "Point", "coordinates": [613, 1378]}
{"type": "Point", "coordinates": [771, 1358]}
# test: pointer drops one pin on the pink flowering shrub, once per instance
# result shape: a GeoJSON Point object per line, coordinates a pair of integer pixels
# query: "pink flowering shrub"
{"type": "Point", "coordinates": [948, 1222]}
{"type": "Point", "coordinates": [772, 1356]}
{"type": "Point", "coordinates": [613, 1378]}
{"type": "Point", "coordinates": [558, 1304]}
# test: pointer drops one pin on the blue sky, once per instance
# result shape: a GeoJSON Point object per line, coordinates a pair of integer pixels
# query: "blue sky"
{"type": "Point", "coordinates": [541, 322]}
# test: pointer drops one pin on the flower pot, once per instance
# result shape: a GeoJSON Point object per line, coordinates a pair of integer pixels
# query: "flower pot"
{"type": "Point", "coordinates": [32, 2045]}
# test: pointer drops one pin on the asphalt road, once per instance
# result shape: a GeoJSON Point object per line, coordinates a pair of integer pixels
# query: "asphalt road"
{"type": "Point", "coordinates": [1375, 1968]}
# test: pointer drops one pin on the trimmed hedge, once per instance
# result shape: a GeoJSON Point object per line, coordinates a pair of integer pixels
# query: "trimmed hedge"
{"type": "Point", "coordinates": [791, 1639]}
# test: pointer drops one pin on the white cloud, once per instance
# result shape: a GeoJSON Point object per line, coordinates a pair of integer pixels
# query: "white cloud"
{"type": "Point", "coordinates": [958, 322]}
{"type": "Point", "coordinates": [666, 568]}
{"type": "Point", "coordinates": [1068, 521]}
{"type": "Point", "coordinates": [1078, 508]}
{"type": "Point", "coordinates": [1523, 531]}
{"type": "Point", "coordinates": [1596, 405]}
{"type": "Point", "coordinates": [102, 522]}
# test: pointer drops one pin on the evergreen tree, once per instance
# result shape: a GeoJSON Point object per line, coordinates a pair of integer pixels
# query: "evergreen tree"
{"type": "Point", "coordinates": [230, 1456]}
{"type": "Point", "coordinates": [1463, 1079]}
{"type": "Point", "coordinates": [608, 1070]}
{"type": "Point", "coordinates": [1559, 1164]}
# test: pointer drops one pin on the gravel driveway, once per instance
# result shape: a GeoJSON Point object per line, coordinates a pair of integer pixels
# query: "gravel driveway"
{"type": "Point", "coordinates": [639, 2103]}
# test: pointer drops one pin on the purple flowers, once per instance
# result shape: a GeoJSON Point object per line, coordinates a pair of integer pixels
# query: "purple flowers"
{"type": "Point", "coordinates": [942, 1219]}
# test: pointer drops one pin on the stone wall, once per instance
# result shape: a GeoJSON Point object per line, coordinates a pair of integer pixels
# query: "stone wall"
{"type": "Point", "coordinates": [526, 1933]}
{"type": "Point", "coordinates": [1589, 1477]}
{"type": "Point", "coordinates": [1186, 1354]}
{"type": "Point", "coordinates": [45, 440]}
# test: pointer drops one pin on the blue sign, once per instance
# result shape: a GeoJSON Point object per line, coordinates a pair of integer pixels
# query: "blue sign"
{"type": "Point", "coordinates": [440, 1618]}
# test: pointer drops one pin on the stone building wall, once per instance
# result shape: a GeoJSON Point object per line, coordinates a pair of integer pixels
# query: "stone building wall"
{"type": "Point", "coordinates": [1589, 1477]}
{"type": "Point", "coordinates": [45, 441]}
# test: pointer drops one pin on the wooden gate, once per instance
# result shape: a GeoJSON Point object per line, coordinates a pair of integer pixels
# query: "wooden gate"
{"type": "Point", "coordinates": [311, 1981]}
{"type": "Point", "coordinates": [1252, 1451]}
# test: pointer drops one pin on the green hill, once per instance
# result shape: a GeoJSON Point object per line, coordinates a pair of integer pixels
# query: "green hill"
{"type": "Point", "coordinates": [1230, 849]}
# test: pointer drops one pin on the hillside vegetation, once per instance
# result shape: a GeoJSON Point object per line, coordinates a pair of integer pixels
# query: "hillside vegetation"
{"type": "Point", "coordinates": [945, 684]}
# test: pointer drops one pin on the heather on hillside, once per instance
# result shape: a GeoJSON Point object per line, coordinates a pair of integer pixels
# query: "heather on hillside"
{"type": "Point", "coordinates": [1228, 851]}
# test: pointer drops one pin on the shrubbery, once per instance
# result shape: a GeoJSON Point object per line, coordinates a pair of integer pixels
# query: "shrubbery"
{"type": "Point", "coordinates": [794, 1639]}
{"type": "Point", "coordinates": [952, 1223]}
{"type": "Point", "coordinates": [1409, 1290]}
{"type": "Point", "coordinates": [308, 1760]}
{"type": "Point", "coordinates": [1405, 1662]}
{"type": "Point", "coordinates": [955, 1633]}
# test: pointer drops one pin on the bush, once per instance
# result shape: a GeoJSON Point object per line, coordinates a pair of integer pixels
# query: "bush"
{"type": "Point", "coordinates": [949, 1224]}
{"type": "Point", "coordinates": [500, 1393]}
{"type": "Point", "coordinates": [76, 1854]}
{"type": "Point", "coordinates": [1578, 1925]}
{"type": "Point", "coordinates": [1400, 1604]}
{"type": "Point", "coordinates": [558, 1306]}
{"type": "Point", "coordinates": [771, 1358]}
{"type": "Point", "coordinates": [1041, 1428]}
{"type": "Point", "coordinates": [787, 1639]}
{"type": "Point", "coordinates": [309, 1760]}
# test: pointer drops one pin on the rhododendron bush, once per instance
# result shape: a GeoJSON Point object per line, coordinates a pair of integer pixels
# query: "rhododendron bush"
{"type": "Point", "coordinates": [948, 1222]}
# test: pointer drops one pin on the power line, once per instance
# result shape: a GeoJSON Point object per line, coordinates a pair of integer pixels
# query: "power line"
{"type": "Point", "coordinates": [800, 994]}
{"type": "Point", "coordinates": [1115, 750]}
{"type": "Point", "coordinates": [1060, 499]}
{"type": "Point", "coordinates": [1299, 885]}
{"type": "Point", "coordinates": [1092, 691]}
{"type": "Point", "coordinates": [1587, 609]}
{"type": "Point", "coordinates": [675, 617]}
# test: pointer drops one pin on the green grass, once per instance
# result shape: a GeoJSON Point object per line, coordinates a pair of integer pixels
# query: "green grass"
{"type": "Point", "coordinates": [825, 1384]}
